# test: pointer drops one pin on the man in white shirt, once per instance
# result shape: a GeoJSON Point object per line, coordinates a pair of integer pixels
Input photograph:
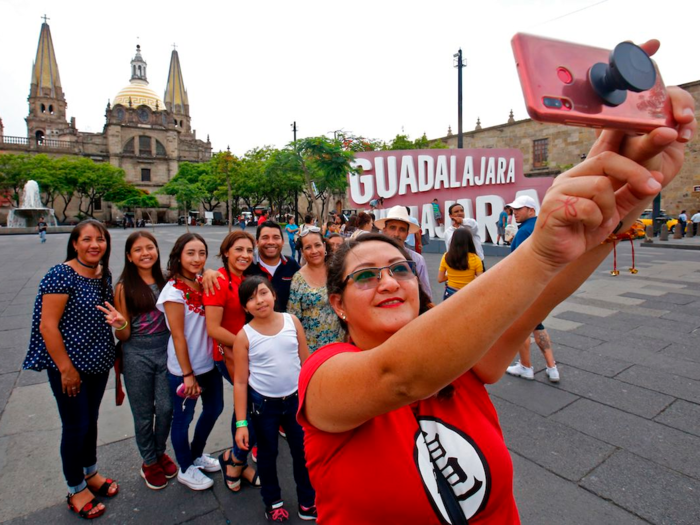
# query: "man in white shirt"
{"type": "Point", "coordinates": [695, 219]}
{"type": "Point", "coordinates": [397, 225]}
{"type": "Point", "coordinates": [456, 212]}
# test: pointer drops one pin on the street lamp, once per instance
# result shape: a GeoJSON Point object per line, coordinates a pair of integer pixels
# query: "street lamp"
{"type": "Point", "coordinates": [460, 64]}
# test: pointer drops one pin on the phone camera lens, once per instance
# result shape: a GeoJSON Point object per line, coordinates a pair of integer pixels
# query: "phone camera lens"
{"type": "Point", "coordinates": [565, 75]}
{"type": "Point", "coordinates": [551, 102]}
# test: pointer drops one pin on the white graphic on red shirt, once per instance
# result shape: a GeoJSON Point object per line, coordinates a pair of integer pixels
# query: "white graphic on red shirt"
{"type": "Point", "coordinates": [459, 459]}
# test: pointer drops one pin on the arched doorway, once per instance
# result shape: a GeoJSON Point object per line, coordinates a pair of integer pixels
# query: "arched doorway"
{"type": "Point", "coordinates": [39, 137]}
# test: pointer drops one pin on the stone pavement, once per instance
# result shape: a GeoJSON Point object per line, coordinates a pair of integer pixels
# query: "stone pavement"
{"type": "Point", "coordinates": [617, 441]}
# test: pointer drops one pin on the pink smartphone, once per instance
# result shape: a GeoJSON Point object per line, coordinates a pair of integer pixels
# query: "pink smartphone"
{"type": "Point", "coordinates": [181, 392]}
{"type": "Point", "coordinates": [578, 85]}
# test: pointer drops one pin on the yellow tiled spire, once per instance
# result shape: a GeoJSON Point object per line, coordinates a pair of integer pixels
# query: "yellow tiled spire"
{"type": "Point", "coordinates": [175, 92]}
{"type": "Point", "coordinates": [45, 78]}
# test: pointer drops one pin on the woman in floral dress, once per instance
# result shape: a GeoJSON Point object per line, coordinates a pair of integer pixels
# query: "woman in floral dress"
{"type": "Point", "coordinates": [308, 298]}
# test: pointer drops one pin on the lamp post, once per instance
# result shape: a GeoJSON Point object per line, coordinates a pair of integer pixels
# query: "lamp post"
{"type": "Point", "coordinates": [460, 64]}
{"type": "Point", "coordinates": [296, 196]}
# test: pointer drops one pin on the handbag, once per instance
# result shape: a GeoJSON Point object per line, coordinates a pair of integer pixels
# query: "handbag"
{"type": "Point", "coordinates": [447, 495]}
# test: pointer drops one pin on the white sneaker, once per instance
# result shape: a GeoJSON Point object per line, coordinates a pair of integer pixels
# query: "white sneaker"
{"type": "Point", "coordinates": [518, 370]}
{"type": "Point", "coordinates": [207, 463]}
{"type": "Point", "coordinates": [553, 374]}
{"type": "Point", "coordinates": [194, 478]}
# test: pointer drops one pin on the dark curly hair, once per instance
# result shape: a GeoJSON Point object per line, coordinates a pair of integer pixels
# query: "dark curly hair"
{"type": "Point", "coordinates": [336, 270]}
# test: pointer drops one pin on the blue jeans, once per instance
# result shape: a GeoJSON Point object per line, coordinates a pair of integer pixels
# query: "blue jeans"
{"type": "Point", "coordinates": [268, 414]}
{"type": "Point", "coordinates": [42, 236]}
{"type": "Point", "coordinates": [293, 246]}
{"type": "Point", "coordinates": [183, 413]}
{"type": "Point", "coordinates": [79, 426]}
{"type": "Point", "coordinates": [240, 455]}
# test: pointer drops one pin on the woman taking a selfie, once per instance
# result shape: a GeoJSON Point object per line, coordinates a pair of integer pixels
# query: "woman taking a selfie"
{"type": "Point", "coordinates": [410, 386]}
{"type": "Point", "coordinates": [72, 342]}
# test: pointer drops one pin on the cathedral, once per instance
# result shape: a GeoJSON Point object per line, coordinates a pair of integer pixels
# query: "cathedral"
{"type": "Point", "coordinates": [145, 135]}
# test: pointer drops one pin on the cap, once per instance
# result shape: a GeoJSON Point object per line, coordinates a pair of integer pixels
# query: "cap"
{"type": "Point", "coordinates": [524, 201]}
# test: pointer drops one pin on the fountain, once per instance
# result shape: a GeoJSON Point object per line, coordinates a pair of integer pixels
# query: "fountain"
{"type": "Point", "coordinates": [30, 209]}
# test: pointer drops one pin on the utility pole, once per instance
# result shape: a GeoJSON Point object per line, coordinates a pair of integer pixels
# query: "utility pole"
{"type": "Point", "coordinates": [459, 64]}
{"type": "Point", "coordinates": [296, 195]}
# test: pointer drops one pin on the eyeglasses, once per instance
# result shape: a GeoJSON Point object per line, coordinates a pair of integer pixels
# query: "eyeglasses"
{"type": "Point", "coordinates": [310, 229]}
{"type": "Point", "coordinates": [367, 278]}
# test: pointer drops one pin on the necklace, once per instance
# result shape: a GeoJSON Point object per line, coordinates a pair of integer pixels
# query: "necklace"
{"type": "Point", "coordinates": [86, 265]}
{"type": "Point", "coordinates": [188, 279]}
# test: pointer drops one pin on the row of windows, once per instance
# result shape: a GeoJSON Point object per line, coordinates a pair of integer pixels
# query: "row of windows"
{"type": "Point", "coordinates": [49, 110]}
{"type": "Point", "coordinates": [145, 147]}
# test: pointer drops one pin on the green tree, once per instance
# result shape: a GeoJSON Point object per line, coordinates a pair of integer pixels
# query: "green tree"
{"type": "Point", "coordinates": [248, 180]}
{"type": "Point", "coordinates": [185, 193]}
{"type": "Point", "coordinates": [14, 174]}
{"type": "Point", "coordinates": [325, 166]}
{"type": "Point", "coordinates": [66, 174]}
{"type": "Point", "coordinates": [208, 177]}
{"type": "Point", "coordinates": [97, 181]}
{"type": "Point", "coordinates": [283, 178]}
{"type": "Point", "coordinates": [140, 199]}
{"type": "Point", "coordinates": [354, 143]}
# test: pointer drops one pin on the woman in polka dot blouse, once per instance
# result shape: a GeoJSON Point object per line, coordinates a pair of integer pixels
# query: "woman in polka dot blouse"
{"type": "Point", "coordinates": [72, 342]}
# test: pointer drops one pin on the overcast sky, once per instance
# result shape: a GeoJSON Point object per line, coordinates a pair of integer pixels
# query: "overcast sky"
{"type": "Point", "coordinates": [371, 68]}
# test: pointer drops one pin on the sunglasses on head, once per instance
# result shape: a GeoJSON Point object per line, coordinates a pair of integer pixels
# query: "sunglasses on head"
{"type": "Point", "coordinates": [310, 229]}
{"type": "Point", "coordinates": [367, 278]}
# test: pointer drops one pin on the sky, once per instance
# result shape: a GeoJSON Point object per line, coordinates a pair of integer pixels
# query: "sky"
{"type": "Point", "coordinates": [369, 68]}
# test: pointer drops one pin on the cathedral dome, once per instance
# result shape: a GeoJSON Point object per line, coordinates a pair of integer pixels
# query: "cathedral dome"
{"type": "Point", "coordinates": [140, 95]}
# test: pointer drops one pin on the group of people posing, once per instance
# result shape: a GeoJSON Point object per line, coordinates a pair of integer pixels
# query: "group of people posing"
{"type": "Point", "coordinates": [348, 355]}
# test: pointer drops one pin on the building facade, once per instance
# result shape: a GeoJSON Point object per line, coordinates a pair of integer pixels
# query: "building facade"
{"type": "Point", "coordinates": [549, 149]}
{"type": "Point", "coordinates": [145, 135]}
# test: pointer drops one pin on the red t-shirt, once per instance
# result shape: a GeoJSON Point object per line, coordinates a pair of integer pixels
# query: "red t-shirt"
{"type": "Point", "coordinates": [227, 298]}
{"type": "Point", "coordinates": [381, 472]}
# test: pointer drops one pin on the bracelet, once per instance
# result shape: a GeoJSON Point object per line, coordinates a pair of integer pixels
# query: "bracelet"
{"type": "Point", "coordinates": [126, 323]}
{"type": "Point", "coordinates": [635, 231]}
{"type": "Point", "coordinates": [242, 423]}
{"type": "Point", "coordinates": [188, 375]}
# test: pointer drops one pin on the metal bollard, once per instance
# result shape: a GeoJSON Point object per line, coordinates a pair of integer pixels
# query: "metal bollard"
{"type": "Point", "coordinates": [663, 233]}
{"type": "Point", "coordinates": [690, 231]}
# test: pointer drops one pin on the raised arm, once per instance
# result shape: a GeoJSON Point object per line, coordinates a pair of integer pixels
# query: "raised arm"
{"type": "Point", "coordinates": [578, 213]}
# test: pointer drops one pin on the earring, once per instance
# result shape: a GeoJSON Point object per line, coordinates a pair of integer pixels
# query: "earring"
{"type": "Point", "coordinates": [342, 316]}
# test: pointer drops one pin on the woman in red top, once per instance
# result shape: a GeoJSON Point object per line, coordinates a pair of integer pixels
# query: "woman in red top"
{"type": "Point", "coordinates": [225, 318]}
{"type": "Point", "coordinates": [378, 394]}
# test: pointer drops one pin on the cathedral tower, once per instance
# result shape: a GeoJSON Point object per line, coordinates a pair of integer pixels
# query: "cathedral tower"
{"type": "Point", "coordinates": [176, 95]}
{"type": "Point", "coordinates": [47, 104]}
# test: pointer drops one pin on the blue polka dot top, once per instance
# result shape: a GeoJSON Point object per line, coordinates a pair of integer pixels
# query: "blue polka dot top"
{"type": "Point", "coordinates": [87, 337]}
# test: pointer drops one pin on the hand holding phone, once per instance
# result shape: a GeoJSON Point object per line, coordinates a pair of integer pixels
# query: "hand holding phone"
{"type": "Point", "coordinates": [577, 85]}
{"type": "Point", "coordinates": [185, 392]}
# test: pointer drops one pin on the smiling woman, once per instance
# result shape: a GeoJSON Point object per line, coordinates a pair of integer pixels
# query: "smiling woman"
{"type": "Point", "coordinates": [308, 297]}
{"type": "Point", "coordinates": [72, 342]}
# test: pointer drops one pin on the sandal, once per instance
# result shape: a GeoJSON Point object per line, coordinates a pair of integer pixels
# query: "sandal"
{"type": "Point", "coordinates": [234, 482]}
{"type": "Point", "coordinates": [255, 481]}
{"type": "Point", "coordinates": [104, 489]}
{"type": "Point", "coordinates": [85, 511]}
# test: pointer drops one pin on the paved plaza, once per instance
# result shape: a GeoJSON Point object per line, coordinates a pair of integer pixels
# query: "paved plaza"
{"type": "Point", "coordinates": [617, 441]}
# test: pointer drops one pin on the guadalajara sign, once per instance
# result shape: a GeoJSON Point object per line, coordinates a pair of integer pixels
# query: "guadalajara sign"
{"type": "Point", "coordinates": [481, 180]}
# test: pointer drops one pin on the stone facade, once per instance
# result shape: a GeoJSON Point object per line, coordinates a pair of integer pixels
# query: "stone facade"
{"type": "Point", "coordinates": [564, 146]}
{"type": "Point", "coordinates": [143, 135]}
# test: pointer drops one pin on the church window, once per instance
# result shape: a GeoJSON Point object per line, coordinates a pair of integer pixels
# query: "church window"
{"type": "Point", "coordinates": [180, 123]}
{"type": "Point", "coordinates": [39, 137]}
{"type": "Point", "coordinates": [51, 109]}
{"type": "Point", "coordinates": [160, 149]}
{"type": "Point", "coordinates": [43, 108]}
{"type": "Point", "coordinates": [145, 175]}
{"type": "Point", "coordinates": [129, 147]}
{"type": "Point", "coordinates": [145, 146]}
{"type": "Point", "coordinates": [540, 153]}
{"type": "Point", "coordinates": [175, 122]}
{"type": "Point", "coordinates": [98, 204]}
